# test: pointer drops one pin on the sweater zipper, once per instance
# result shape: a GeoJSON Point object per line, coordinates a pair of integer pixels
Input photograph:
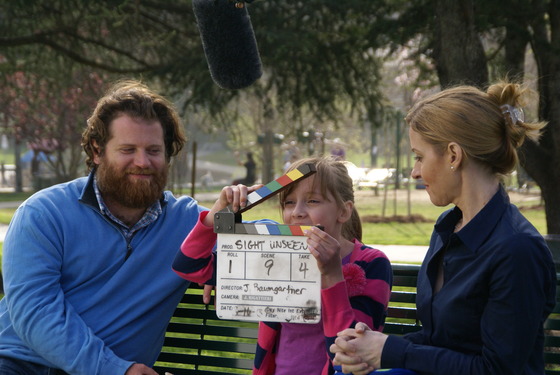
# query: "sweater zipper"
{"type": "Point", "coordinates": [113, 224]}
{"type": "Point", "coordinates": [128, 250]}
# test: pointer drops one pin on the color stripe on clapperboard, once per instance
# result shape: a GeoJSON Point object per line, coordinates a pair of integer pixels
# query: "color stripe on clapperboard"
{"type": "Point", "coordinates": [273, 186]}
{"type": "Point", "coordinates": [271, 229]}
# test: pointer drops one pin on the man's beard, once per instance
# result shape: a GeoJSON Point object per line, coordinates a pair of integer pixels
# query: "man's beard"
{"type": "Point", "coordinates": [131, 193]}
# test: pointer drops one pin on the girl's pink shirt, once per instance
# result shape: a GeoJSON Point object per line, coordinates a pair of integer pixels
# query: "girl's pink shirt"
{"type": "Point", "coordinates": [302, 347]}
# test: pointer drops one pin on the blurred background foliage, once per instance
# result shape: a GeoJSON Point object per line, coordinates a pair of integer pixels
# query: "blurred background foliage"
{"type": "Point", "coordinates": [334, 71]}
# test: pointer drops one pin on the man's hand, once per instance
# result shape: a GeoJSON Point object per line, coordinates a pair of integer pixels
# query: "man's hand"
{"type": "Point", "coordinates": [140, 369]}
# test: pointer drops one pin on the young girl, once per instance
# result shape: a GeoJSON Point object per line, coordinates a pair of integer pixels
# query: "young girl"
{"type": "Point", "coordinates": [355, 279]}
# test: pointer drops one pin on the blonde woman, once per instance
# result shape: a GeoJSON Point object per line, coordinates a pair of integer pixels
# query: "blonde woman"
{"type": "Point", "coordinates": [488, 281]}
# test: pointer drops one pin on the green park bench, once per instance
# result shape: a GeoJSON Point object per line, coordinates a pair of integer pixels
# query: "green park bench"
{"type": "Point", "coordinates": [197, 342]}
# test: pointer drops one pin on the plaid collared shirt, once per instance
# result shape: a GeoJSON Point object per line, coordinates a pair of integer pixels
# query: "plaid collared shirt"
{"type": "Point", "coordinates": [149, 217]}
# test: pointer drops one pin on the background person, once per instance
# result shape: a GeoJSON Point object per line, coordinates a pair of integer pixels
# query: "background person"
{"type": "Point", "coordinates": [355, 279]}
{"type": "Point", "coordinates": [250, 171]}
{"type": "Point", "coordinates": [87, 264]}
{"type": "Point", "coordinates": [488, 281]}
{"type": "Point", "coordinates": [337, 150]}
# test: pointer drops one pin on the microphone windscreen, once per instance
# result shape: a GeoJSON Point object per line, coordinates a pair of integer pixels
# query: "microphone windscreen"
{"type": "Point", "coordinates": [229, 43]}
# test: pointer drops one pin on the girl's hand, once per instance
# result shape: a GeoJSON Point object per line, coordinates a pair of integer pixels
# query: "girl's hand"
{"type": "Point", "coordinates": [207, 292]}
{"type": "Point", "coordinates": [234, 196]}
{"type": "Point", "coordinates": [326, 251]}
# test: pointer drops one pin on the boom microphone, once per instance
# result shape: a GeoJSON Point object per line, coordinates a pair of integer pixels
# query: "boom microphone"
{"type": "Point", "coordinates": [229, 42]}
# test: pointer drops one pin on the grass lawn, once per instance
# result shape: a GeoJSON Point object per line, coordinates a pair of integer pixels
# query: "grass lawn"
{"type": "Point", "coordinates": [374, 211]}
{"type": "Point", "coordinates": [6, 215]}
{"type": "Point", "coordinates": [377, 211]}
{"type": "Point", "coordinates": [10, 197]}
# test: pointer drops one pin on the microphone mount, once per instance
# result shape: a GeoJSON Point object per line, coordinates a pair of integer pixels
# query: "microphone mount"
{"type": "Point", "coordinates": [240, 3]}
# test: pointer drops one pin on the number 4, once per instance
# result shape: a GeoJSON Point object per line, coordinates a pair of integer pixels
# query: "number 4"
{"type": "Point", "coordinates": [303, 268]}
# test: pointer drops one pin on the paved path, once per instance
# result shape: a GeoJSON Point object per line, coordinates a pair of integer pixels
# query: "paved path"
{"type": "Point", "coordinates": [3, 227]}
{"type": "Point", "coordinates": [11, 204]}
{"type": "Point", "coordinates": [395, 253]}
{"type": "Point", "coordinates": [403, 253]}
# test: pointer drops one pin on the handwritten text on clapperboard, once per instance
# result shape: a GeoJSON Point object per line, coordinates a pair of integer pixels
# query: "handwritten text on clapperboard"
{"type": "Point", "coordinates": [267, 277]}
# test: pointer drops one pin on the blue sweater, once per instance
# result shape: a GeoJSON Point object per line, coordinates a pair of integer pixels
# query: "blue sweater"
{"type": "Point", "coordinates": [73, 299]}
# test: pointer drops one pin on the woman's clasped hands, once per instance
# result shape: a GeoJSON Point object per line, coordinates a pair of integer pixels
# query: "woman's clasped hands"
{"type": "Point", "coordinates": [358, 350]}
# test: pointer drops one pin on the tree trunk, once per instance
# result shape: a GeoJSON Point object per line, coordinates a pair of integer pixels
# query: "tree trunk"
{"type": "Point", "coordinates": [515, 44]}
{"type": "Point", "coordinates": [458, 50]}
{"type": "Point", "coordinates": [268, 157]}
{"type": "Point", "coordinates": [542, 162]}
{"type": "Point", "coordinates": [19, 172]}
{"type": "Point", "coordinates": [459, 57]}
{"type": "Point", "coordinates": [549, 189]}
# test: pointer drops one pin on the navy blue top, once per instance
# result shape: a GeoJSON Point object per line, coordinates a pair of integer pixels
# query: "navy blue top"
{"type": "Point", "coordinates": [499, 288]}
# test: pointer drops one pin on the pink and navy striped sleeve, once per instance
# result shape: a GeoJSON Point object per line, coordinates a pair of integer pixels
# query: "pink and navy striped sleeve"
{"type": "Point", "coordinates": [196, 261]}
{"type": "Point", "coordinates": [358, 299]}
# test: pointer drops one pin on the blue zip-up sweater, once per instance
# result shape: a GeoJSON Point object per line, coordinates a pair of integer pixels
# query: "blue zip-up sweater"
{"type": "Point", "coordinates": [74, 300]}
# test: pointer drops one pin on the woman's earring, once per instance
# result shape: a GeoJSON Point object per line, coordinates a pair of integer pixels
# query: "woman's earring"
{"type": "Point", "coordinates": [452, 167]}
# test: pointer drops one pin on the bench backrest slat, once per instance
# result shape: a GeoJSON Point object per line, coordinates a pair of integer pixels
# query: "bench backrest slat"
{"type": "Point", "coordinates": [197, 342]}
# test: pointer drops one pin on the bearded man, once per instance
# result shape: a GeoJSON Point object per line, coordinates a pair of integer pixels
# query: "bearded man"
{"type": "Point", "coordinates": [87, 264]}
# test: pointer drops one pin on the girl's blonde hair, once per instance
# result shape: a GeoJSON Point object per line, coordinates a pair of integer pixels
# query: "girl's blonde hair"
{"type": "Point", "coordinates": [332, 176]}
{"type": "Point", "coordinates": [480, 122]}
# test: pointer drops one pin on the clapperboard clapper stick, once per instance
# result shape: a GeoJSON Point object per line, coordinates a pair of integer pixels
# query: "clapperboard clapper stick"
{"type": "Point", "coordinates": [264, 271]}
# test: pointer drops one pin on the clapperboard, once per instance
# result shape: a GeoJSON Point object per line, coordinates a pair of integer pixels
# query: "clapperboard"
{"type": "Point", "coordinates": [264, 271]}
